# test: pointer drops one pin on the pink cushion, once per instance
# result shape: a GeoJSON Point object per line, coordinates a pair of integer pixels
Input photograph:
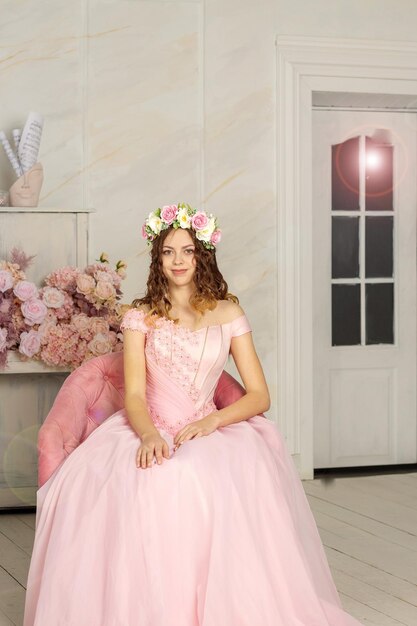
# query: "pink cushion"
{"type": "Point", "coordinates": [90, 394]}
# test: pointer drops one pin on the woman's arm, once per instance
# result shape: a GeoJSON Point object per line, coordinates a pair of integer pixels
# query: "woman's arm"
{"type": "Point", "coordinates": [135, 382]}
{"type": "Point", "coordinates": [257, 399]}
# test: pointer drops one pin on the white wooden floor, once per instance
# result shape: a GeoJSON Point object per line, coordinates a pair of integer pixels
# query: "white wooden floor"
{"type": "Point", "coordinates": [368, 525]}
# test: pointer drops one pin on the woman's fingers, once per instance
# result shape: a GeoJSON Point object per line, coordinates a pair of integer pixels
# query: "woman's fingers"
{"type": "Point", "coordinates": [145, 456]}
{"type": "Point", "coordinates": [160, 448]}
{"type": "Point", "coordinates": [149, 457]}
{"type": "Point", "coordinates": [186, 436]}
{"type": "Point", "coordinates": [179, 439]}
{"type": "Point", "coordinates": [158, 453]}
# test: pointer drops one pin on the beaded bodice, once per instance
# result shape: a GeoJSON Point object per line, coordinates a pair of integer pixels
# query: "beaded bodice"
{"type": "Point", "coordinates": [183, 366]}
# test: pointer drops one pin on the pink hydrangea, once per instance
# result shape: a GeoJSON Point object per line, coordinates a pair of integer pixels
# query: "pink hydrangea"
{"type": "Point", "coordinates": [81, 353]}
{"type": "Point", "coordinates": [67, 309]}
{"type": "Point", "coordinates": [64, 278]}
{"type": "Point", "coordinates": [61, 346]}
{"type": "Point", "coordinates": [43, 329]}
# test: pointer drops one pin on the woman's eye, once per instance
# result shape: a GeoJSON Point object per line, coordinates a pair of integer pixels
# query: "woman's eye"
{"type": "Point", "coordinates": [169, 251]}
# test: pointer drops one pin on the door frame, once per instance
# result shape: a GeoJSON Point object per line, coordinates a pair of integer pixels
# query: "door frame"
{"type": "Point", "coordinates": [305, 65]}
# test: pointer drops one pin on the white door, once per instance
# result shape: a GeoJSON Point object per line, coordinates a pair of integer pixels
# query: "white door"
{"type": "Point", "coordinates": [364, 286]}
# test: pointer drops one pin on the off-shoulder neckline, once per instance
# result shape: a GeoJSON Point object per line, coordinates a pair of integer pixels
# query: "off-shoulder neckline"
{"type": "Point", "coordinates": [190, 330]}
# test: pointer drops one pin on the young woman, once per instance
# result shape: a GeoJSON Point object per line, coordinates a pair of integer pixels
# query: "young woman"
{"type": "Point", "coordinates": [174, 512]}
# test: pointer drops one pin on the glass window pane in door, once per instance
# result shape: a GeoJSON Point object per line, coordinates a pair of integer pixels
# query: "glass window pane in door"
{"type": "Point", "coordinates": [379, 312]}
{"type": "Point", "coordinates": [345, 247]}
{"type": "Point", "coordinates": [346, 315]}
{"type": "Point", "coordinates": [379, 247]}
{"type": "Point", "coordinates": [378, 176]}
{"type": "Point", "coordinates": [345, 175]}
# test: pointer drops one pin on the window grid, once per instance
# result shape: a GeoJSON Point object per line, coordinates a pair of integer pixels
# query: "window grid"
{"type": "Point", "coordinates": [362, 213]}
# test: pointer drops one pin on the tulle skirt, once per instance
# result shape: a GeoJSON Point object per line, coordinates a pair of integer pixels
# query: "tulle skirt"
{"type": "Point", "coordinates": [220, 534]}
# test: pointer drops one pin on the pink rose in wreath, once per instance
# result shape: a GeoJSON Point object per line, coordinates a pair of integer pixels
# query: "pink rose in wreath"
{"type": "Point", "coordinates": [199, 220]}
{"type": "Point", "coordinates": [216, 236]}
{"type": "Point", "coordinates": [168, 213]}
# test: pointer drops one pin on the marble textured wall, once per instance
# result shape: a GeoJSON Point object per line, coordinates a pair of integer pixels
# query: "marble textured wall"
{"type": "Point", "coordinates": [41, 69]}
{"type": "Point", "coordinates": [180, 108]}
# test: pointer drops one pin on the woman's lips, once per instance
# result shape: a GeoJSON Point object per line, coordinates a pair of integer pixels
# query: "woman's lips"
{"type": "Point", "coordinates": [179, 272]}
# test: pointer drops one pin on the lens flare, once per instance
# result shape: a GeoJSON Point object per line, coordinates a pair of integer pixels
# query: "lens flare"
{"type": "Point", "coordinates": [373, 160]}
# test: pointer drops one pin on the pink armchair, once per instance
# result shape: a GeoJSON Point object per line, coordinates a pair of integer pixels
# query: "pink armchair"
{"type": "Point", "coordinates": [90, 394]}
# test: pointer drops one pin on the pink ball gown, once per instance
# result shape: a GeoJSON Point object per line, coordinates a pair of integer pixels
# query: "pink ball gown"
{"type": "Point", "coordinates": [219, 534]}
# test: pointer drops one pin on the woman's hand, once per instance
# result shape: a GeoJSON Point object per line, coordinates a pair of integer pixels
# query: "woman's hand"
{"type": "Point", "coordinates": [151, 444]}
{"type": "Point", "coordinates": [205, 426]}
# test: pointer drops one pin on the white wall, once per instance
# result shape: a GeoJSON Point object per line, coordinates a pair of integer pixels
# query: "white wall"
{"type": "Point", "coordinates": [387, 20]}
{"type": "Point", "coordinates": [148, 102]}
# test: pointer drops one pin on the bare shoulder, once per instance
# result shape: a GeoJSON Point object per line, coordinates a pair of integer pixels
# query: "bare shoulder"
{"type": "Point", "coordinates": [229, 310]}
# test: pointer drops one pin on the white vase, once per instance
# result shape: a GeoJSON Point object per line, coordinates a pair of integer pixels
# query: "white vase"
{"type": "Point", "coordinates": [26, 189]}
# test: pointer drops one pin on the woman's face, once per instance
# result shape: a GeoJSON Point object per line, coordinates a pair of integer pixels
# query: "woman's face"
{"type": "Point", "coordinates": [178, 257]}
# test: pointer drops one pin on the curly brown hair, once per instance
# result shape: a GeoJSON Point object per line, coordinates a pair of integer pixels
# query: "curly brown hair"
{"type": "Point", "coordinates": [209, 282]}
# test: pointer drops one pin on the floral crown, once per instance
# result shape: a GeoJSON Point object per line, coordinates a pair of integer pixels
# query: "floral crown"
{"type": "Point", "coordinates": [182, 216]}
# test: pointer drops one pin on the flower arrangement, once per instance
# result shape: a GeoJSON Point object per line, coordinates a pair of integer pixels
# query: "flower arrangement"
{"type": "Point", "coordinates": [182, 216]}
{"type": "Point", "coordinates": [73, 317]}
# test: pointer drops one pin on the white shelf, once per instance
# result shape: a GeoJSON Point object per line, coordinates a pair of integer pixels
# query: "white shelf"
{"type": "Point", "coordinates": [16, 365]}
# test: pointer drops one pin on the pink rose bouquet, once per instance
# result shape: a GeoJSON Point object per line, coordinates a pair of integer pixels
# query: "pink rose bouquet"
{"type": "Point", "coordinates": [73, 317]}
